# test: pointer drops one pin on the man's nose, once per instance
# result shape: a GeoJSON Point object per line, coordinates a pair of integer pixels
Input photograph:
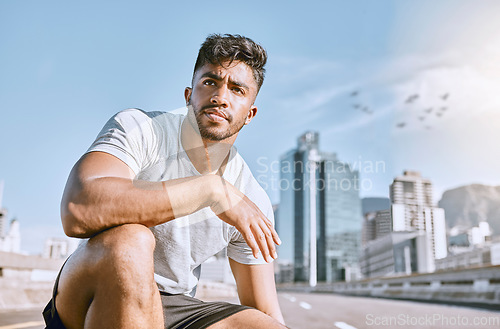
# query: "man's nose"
{"type": "Point", "coordinates": [219, 97]}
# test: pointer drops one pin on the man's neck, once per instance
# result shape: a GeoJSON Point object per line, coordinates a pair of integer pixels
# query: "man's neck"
{"type": "Point", "coordinates": [208, 157]}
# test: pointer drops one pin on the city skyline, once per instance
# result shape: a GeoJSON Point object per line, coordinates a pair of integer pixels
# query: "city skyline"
{"type": "Point", "coordinates": [362, 74]}
{"type": "Point", "coordinates": [324, 238]}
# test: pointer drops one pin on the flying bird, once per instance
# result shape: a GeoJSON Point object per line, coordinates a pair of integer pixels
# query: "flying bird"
{"type": "Point", "coordinates": [356, 106]}
{"type": "Point", "coordinates": [401, 124]}
{"type": "Point", "coordinates": [367, 110]}
{"type": "Point", "coordinates": [429, 110]}
{"type": "Point", "coordinates": [354, 93]}
{"type": "Point", "coordinates": [444, 108]}
{"type": "Point", "coordinates": [421, 118]}
{"type": "Point", "coordinates": [439, 114]}
{"type": "Point", "coordinates": [445, 96]}
{"type": "Point", "coordinates": [411, 98]}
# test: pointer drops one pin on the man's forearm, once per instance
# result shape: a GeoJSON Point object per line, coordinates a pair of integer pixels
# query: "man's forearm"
{"type": "Point", "coordinates": [101, 203]}
{"type": "Point", "coordinates": [272, 308]}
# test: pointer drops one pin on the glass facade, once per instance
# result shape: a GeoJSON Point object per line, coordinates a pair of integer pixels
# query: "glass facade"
{"type": "Point", "coordinates": [307, 173]}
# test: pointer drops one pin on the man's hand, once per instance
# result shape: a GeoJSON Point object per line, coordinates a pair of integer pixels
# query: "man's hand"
{"type": "Point", "coordinates": [236, 209]}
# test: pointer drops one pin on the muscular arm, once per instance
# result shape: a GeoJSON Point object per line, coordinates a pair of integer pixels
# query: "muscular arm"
{"type": "Point", "coordinates": [256, 288]}
{"type": "Point", "coordinates": [101, 193]}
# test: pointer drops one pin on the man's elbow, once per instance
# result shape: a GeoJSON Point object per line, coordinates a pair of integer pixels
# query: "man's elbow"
{"type": "Point", "coordinates": [73, 221]}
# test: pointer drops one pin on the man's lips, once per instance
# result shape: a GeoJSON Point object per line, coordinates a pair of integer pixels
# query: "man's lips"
{"type": "Point", "coordinates": [215, 115]}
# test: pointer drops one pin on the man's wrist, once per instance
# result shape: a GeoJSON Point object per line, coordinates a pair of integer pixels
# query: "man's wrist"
{"type": "Point", "coordinates": [213, 188]}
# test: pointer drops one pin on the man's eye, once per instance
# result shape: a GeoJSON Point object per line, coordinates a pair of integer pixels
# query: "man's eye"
{"type": "Point", "coordinates": [209, 82]}
{"type": "Point", "coordinates": [238, 90]}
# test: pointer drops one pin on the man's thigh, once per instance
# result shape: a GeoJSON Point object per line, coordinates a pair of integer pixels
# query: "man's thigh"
{"type": "Point", "coordinates": [250, 318]}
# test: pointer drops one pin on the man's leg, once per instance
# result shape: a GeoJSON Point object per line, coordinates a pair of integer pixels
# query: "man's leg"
{"type": "Point", "coordinates": [109, 282]}
{"type": "Point", "coordinates": [251, 319]}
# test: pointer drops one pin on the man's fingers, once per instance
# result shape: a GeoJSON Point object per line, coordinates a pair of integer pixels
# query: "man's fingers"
{"type": "Point", "coordinates": [270, 242]}
{"type": "Point", "coordinates": [261, 237]}
{"type": "Point", "coordinates": [256, 228]}
{"type": "Point", "coordinates": [273, 232]}
{"type": "Point", "coordinates": [276, 237]}
{"type": "Point", "coordinates": [268, 222]}
{"type": "Point", "coordinates": [249, 238]}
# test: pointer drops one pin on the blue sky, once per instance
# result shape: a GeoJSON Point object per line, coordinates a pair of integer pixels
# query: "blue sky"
{"type": "Point", "coordinates": [66, 67]}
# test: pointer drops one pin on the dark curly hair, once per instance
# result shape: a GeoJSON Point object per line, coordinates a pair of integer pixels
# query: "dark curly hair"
{"type": "Point", "coordinates": [230, 47]}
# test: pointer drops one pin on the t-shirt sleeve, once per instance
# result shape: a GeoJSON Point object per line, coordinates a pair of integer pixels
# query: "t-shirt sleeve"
{"type": "Point", "coordinates": [129, 135]}
{"type": "Point", "coordinates": [238, 248]}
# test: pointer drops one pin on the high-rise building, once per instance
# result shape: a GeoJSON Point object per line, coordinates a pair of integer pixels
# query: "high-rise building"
{"type": "Point", "coordinates": [413, 210]}
{"type": "Point", "coordinates": [409, 236]}
{"type": "Point", "coordinates": [318, 190]}
{"type": "Point", "coordinates": [411, 189]}
{"type": "Point", "coordinates": [376, 225]}
{"type": "Point", "coordinates": [415, 193]}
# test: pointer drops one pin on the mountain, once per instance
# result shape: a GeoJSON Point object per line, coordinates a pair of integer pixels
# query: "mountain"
{"type": "Point", "coordinates": [466, 206]}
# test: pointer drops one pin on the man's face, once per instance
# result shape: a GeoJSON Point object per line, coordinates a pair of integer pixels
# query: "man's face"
{"type": "Point", "coordinates": [222, 99]}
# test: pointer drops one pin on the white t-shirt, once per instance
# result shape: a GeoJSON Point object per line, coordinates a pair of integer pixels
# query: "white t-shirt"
{"type": "Point", "coordinates": [150, 144]}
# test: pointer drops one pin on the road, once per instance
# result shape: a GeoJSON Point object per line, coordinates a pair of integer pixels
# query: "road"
{"type": "Point", "coordinates": [322, 311]}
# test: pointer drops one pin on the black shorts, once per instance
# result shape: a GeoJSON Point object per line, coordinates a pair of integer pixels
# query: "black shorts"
{"type": "Point", "coordinates": [179, 311]}
{"type": "Point", "coordinates": [50, 315]}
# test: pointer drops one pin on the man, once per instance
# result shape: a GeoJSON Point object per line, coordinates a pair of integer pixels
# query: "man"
{"type": "Point", "coordinates": [157, 194]}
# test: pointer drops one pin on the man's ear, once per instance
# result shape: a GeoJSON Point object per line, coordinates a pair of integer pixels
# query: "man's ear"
{"type": "Point", "coordinates": [251, 114]}
{"type": "Point", "coordinates": [187, 94]}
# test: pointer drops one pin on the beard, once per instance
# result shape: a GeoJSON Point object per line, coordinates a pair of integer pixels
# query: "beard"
{"type": "Point", "coordinates": [214, 132]}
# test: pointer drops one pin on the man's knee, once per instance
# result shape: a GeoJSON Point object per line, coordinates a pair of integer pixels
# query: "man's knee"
{"type": "Point", "coordinates": [130, 245]}
{"type": "Point", "coordinates": [116, 262]}
{"type": "Point", "coordinates": [131, 238]}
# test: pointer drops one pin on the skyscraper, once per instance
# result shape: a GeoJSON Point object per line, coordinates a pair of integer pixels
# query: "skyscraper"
{"type": "Point", "coordinates": [317, 189]}
{"type": "Point", "coordinates": [409, 236]}
{"type": "Point", "coordinates": [413, 210]}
